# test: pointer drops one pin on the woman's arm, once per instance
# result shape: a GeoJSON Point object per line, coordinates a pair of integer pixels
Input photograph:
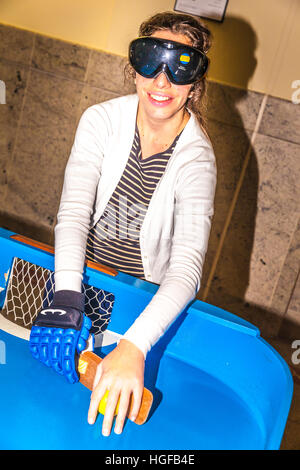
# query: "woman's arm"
{"type": "Point", "coordinates": [77, 202]}
{"type": "Point", "coordinates": [82, 175]}
{"type": "Point", "coordinates": [193, 211]}
{"type": "Point", "coordinates": [122, 370]}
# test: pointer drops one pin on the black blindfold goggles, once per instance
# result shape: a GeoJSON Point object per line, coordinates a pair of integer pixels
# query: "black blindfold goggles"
{"type": "Point", "coordinates": [182, 64]}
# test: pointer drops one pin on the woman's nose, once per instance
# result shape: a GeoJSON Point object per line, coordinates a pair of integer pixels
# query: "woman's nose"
{"type": "Point", "coordinates": [162, 81]}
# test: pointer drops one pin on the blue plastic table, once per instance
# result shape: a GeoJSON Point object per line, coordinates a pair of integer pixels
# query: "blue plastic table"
{"type": "Point", "coordinates": [216, 383]}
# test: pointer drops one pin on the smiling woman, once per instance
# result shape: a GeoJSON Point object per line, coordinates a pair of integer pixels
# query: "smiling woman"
{"type": "Point", "coordinates": [138, 196]}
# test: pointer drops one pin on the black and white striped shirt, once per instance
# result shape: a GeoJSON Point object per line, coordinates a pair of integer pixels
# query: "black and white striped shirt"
{"type": "Point", "coordinates": [114, 240]}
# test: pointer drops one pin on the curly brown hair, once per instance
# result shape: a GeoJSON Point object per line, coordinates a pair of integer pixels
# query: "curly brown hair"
{"type": "Point", "coordinates": [201, 38]}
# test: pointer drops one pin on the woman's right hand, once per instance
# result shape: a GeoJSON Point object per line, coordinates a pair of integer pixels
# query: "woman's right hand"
{"type": "Point", "coordinates": [121, 373]}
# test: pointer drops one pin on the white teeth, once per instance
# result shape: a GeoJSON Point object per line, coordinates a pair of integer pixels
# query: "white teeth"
{"type": "Point", "coordinates": [159, 98]}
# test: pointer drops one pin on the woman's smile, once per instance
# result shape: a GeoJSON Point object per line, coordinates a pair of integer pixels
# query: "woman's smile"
{"type": "Point", "coordinates": [159, 99]}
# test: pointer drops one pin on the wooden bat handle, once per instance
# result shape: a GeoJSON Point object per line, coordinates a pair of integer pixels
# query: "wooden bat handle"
{"type": "Point", "coordinates": [87, 367]}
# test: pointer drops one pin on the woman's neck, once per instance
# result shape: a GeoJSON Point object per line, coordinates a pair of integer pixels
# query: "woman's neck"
{"type": "Point", "coordinates": [157, 136]}
{"type": "Point", "coordinates": [161, 132]}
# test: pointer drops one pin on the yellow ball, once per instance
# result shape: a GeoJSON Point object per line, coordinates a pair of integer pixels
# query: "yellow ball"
{"type": "Point", "coordinates": [102, 404]}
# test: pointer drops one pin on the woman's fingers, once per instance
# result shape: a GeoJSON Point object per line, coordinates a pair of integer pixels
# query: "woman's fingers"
{"type": "Point", "coordinates": [96, 397]}
{"type": "Point", "coordinates": [137, 399]}
{"type": "Point", "coordinates": [111, 405]}
{"type": "Point", "coordinates": [115, 394]}
{"type": "Point", "coordinates": [122, 412]}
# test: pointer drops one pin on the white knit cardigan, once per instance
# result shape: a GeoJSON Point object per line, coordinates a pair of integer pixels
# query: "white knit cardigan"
{"type": "Point", "coordinates": [175, 231]}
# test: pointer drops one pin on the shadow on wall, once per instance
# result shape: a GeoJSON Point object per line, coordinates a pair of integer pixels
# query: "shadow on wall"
{"type": "Point", "coordinates": [232, 115]}
{"type": "Point", "coordinates": [234, 46]}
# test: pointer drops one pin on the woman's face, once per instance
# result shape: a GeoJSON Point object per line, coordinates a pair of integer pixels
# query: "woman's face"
{"type": "Point", "coordinates": [158, 97]}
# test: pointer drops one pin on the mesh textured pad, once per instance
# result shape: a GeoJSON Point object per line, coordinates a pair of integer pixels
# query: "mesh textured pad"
{"type": "Point", "coordinates": [31, 288]}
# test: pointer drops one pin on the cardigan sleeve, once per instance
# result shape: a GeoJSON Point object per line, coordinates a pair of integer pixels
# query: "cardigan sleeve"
{"type": "Point", "coordinates": [193, 212]}
{"type": "Point", "coordinates": [81, 179]}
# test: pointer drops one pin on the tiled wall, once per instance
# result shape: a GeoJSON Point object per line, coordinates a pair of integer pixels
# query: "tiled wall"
{"type": "Point", "coordinates": [253, 259]}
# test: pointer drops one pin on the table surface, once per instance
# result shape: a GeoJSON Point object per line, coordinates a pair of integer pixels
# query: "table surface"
{"type": "Point", "coordinates": [191, 410]}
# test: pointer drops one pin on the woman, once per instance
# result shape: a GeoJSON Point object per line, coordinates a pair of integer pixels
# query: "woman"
{"type": "Point", "coordinates": [151, 151]}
